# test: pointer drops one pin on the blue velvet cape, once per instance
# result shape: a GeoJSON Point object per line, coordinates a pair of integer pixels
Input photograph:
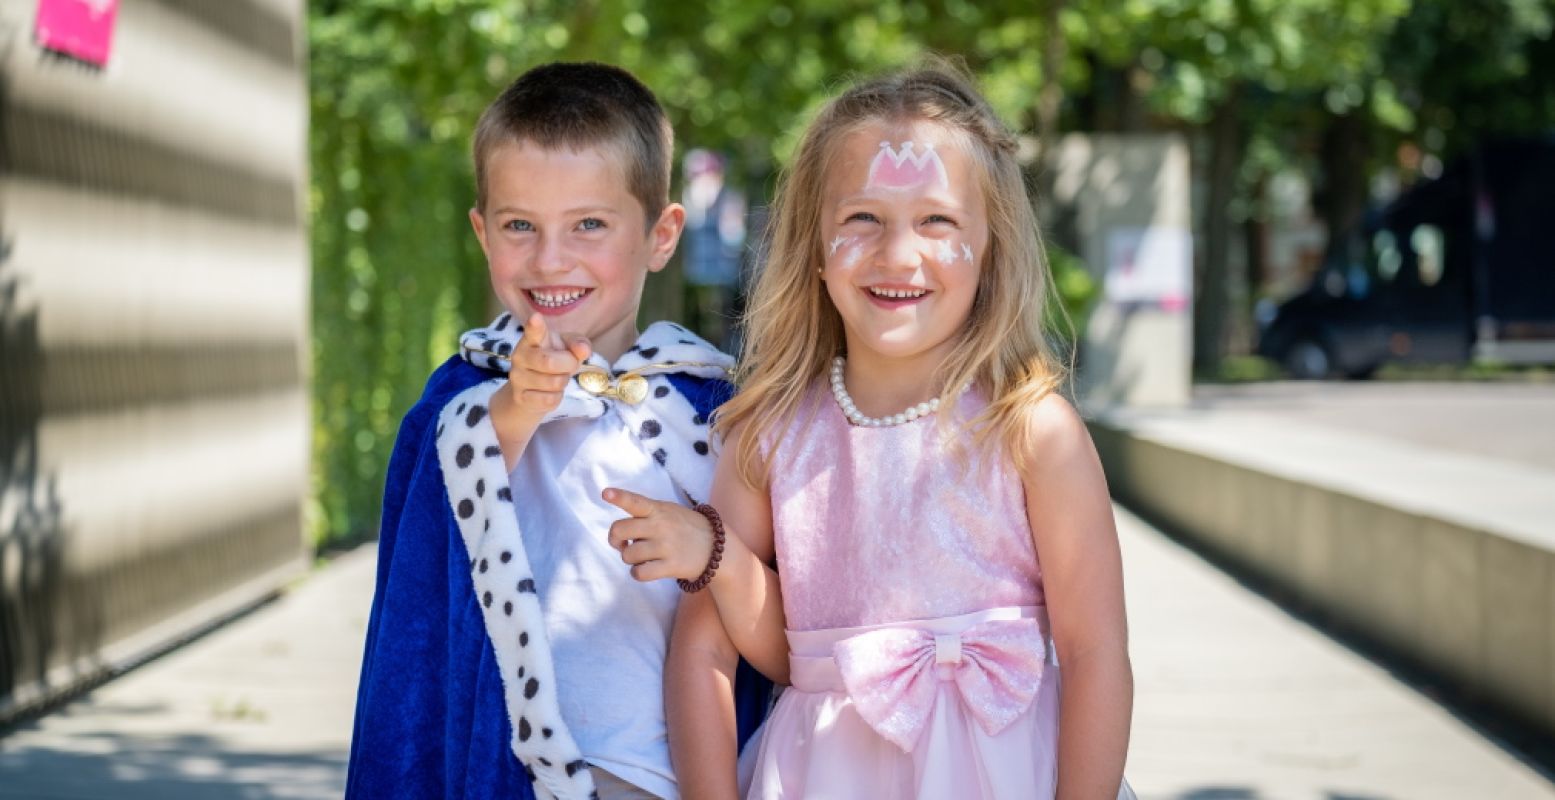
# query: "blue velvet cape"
{"type": "Point", "coordinates": [430, 717]}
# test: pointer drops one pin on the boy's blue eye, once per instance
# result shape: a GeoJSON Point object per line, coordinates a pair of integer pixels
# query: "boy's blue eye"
{"type": "Point", "coordinates": [521, 225]}
{"type": "Point", "coordinates": [591, 224]}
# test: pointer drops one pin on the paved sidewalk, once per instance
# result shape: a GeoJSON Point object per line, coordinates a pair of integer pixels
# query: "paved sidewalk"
{"type": "Point", "coordinates": [261, 708]}
{"type": "Point", "coordinates": [1235, 701]}
{"type": "Point", "coordinates": [1509, 422]}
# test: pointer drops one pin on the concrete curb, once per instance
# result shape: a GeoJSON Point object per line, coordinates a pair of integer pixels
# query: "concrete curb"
{"type": "Point", "coordinates": [1447, 560]}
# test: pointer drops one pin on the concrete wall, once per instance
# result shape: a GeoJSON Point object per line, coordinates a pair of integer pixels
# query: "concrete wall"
{"type": "Point", "coordinates": [153, 333]}
{"type": "Point", "coordinates": [1108, 194]}
{"type": "Point", "coordinates": [1447, 561]}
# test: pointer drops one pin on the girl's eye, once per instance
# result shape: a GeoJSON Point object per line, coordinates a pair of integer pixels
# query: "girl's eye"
{"type": "Point", "coordinates": [935, 219]}
{"type": "Point", "coordinates": [519, 225]}
{"type": "Point", "coordinates": [591, 224]}
{"type": "Point", "coordinates": [861, 216]}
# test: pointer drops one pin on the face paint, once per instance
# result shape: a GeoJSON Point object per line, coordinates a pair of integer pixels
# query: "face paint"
{"type": "Point", "coordinates": [906, 169]}
{"type": "Point", "coordinates": [944, 252]}
{"type": "Point", "coordinates": [966, 253]}
{"type": "Point", "coordinates": [836, 243]}
{"type": "Point", "coordinates": [851, 257]}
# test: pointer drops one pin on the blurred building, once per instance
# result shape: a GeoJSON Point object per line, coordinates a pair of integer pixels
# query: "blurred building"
{"type": "Point", "coordinates": [1122, 203]}
{"type": "Point", "coordinates": [153, 326]}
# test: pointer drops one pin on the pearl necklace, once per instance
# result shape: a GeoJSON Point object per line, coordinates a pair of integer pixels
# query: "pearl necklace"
{"type": "Point", "coordinates": [849, 410]}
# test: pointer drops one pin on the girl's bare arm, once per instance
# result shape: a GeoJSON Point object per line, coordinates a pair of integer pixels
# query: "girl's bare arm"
{"type": "Point", "coordinates": [1076, 540]}
{"type": "Point", "coordinates": [745, 588]}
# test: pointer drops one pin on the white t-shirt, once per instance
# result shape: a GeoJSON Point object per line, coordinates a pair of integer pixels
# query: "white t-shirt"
{"type": "Point", "coordinates": [609, 633]}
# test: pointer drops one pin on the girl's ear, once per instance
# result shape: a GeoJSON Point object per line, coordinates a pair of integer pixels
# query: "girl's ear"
{"type": "Point", "coordinates": [665, 235]}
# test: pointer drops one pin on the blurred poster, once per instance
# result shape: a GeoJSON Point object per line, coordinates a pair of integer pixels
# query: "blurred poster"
{"type": "Point", "coordinates": [81, 29]}
{"type": "Point", "coordinates": [715, 222]}
{"type": "Point", "coordinates": [1150, 266]}
{"type": "Point", "coordinates": [714, 245]}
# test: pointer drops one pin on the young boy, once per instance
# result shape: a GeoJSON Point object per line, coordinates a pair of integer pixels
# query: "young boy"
{"type": "Point", "coordinates": [510, 652]}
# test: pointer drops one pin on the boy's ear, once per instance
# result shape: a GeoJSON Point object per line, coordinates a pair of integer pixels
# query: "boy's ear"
{"type": "Point", "coordinates": [665, 235]}
{"type": "Point", "coordinates": [478, 222]}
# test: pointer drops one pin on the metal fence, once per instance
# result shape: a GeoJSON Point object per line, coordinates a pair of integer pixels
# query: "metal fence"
{"type": "Point", "coordinates": [153, 334]}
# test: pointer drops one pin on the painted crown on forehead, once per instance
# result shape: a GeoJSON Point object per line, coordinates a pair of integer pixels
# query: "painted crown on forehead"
{"type": "Point", "coordinates": [905, 169]}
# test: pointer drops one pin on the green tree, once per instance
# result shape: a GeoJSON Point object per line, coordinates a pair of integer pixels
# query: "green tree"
{"type": "Point", "coordinates": [396, 86]}
{"type": "Point", "coordinates": [1218, 67]}
{"type": "Point", "coordinates": [1456, 72]}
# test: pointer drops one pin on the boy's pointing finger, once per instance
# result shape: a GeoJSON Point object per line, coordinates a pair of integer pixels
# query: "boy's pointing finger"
{"type": "Point", "coordinates": [630, 502]}
{"type": "Point", "coordinates": [535, 332]}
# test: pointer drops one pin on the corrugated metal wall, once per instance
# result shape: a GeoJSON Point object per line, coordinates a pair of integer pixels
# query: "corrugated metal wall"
{"type": "Point", "coordinates": [153, 333]}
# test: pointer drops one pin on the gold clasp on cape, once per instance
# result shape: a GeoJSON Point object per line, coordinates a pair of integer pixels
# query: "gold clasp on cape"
{"type": "Point", "coordinates": [630, 388]}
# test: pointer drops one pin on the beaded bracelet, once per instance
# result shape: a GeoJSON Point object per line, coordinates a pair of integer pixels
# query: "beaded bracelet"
{"type": "Point", "coordinates": [718, 550]}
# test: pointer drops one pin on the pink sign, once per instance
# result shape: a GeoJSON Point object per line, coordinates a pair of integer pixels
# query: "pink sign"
{"type": "Point", "coordinates": [78, 28]}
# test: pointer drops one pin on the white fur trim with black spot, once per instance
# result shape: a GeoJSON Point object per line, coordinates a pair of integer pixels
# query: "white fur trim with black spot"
{"type": "Point", "coordinates": [478, 491]}
{"type": "Point", "coordinates": [665, 425]}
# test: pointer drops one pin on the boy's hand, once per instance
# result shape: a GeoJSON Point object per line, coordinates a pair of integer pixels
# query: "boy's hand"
{"type": "Point", "coordinates": [541, 366]}
{"type": "Point", "coordinates": [659, 540]}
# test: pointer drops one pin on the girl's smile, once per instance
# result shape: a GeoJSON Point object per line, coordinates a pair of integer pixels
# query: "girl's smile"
{"type": "Point", "coordinates": [894, 296]}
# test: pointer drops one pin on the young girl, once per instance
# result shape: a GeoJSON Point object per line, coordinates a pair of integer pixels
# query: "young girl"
{"type": "Point", "coordinates": [934, 507]}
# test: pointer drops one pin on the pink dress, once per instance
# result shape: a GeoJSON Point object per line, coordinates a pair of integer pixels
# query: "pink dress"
{"type": "Point", "coordinates": [919, 651]}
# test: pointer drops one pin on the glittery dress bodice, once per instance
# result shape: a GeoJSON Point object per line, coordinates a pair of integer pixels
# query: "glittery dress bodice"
{"type": "Point", "coordinates": [892, 524]}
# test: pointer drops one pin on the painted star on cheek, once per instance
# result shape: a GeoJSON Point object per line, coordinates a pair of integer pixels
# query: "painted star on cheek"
{"type": "Point", "coordinates": [836, 243]}
{"type": "Point", "coordinates": [966, 253]}
{"type": "Point", "coordinates": [945, 253]}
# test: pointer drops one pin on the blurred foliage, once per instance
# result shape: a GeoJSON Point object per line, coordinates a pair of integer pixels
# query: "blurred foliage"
{"type": "Point", "coordinates": [1246, 369]}
{"type": "Point", "coordinates": [396, 87]}
{"type": "Point", "coordinates": [1457, 71]}
{"type": "Point", "coordinates": [1191, 52]}
{"type": "Point", "coordinates": [1076, 291]}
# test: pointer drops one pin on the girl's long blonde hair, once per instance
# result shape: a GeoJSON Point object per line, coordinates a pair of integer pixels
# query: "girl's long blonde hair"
{"type": "Point", "coordinates": [792, 330]}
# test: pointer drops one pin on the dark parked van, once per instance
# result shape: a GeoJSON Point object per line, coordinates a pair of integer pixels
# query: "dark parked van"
{"type": "Point", "coordinates": [1458, 268]}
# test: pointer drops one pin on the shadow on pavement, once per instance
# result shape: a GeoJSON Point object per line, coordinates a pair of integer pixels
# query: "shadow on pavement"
{"type": "Point", "coordinates": [187, 767]}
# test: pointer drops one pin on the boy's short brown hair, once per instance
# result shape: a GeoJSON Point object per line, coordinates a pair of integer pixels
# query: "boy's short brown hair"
{"type": "Point", "coordinates": [581, 106]}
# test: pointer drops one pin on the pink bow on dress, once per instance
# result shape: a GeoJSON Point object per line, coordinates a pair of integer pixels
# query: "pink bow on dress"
{"type": "Point", "coordinates": [891, 674]}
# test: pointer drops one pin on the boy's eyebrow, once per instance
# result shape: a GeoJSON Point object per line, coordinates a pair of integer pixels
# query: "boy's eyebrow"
{"type": "Point", "coordinates": [591, 209]}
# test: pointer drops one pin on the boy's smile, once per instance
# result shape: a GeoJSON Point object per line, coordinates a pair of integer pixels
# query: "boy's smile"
{"type": "Point", "coordinates": [564, 237]}
{"type": "Point", "coordinates": [556, 299]}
